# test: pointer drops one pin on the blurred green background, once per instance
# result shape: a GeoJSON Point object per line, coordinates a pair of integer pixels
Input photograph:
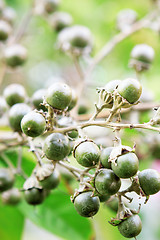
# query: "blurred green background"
{"type": "Point", "coordinates": [57, 214]}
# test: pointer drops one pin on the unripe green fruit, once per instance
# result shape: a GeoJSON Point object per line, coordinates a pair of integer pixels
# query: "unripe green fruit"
{"type": "Point", "coordinates": [33, 124]}
{"type": "Point", "coordinates": [3, 106]}
{"type": "Point", "coordinates": [86, 205]}
{"type": "Point", "coordinates": [106, 182]}
{"type": "Point", "coordinates": [34, 196]}
{"type": "Point", "coordinates": [59, 96]}
{"type": "Point", "coordinates": [37, 99]}
{"type": "Point", "coordinates": [14, 93]}
{"type": "Point", "coordinates": [130, 89]}
{"type": "Point", "coordinates": [5, 30]}
{"type": "Point", "coordinates": [16, 114]}
{"type": "Point", "coordinates": [51, 6]}
{"type": "Point", "coordinates": [56, 146]}
{"type": "Point", "coordinates": [131, 226]}
{"type": "Point", "coordinates": [103, 198]}
{"type": "Point", "coordinates": [149, 180]}
{"type": "Point", "coordinates": [11, 196]}
{"type": "Point", "coordinates": [105, 153]}
{"type": "Point", "coordinates": [15, 55]}
{"type": "Point", "coordinates": [52, 181]}
{"type": "Point", "coordinates": [112, 85]}
{"type": "Point", "coordinates": [126, 165]}
{"type": "Point", "coordinates": [87, 154]}
{"type": "Point", "coordinates": [74, 100]}
{"type": "Point", "coordinates": [143, 53]}
{"type": "Point", "coordinates": [60, 20]}
{"type": "Point", "coordinates": [6, 179]}
{"type": "Point", "coordinates": [83, 109]}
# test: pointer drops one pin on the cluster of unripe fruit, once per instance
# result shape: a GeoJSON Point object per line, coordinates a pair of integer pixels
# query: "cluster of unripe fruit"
{"type": "Point", "coordinates": [106, 180]}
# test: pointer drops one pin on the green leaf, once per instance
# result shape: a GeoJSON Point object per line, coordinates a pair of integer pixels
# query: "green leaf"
{"type": "Point", "coordinates": [11, 223]}
{"type": "Point", "coordinates": [57, 215]}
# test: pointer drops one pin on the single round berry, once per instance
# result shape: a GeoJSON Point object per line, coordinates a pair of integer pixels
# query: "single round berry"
{"type": "Point", "coordinates": [143, 53]}
{"type": "Point", "coordinates": [86, 205]}
{"type": "Point", "coordinates": [15, 55]}
{"type": "Point", "coordinates": [33, 124]}
{"type": "Point", "coordinates": [60, 20]}
{"type": "Point", "coordinates": [11, 196]}
{"type": "Point", "coordinates": [131, 226]}
{"type": "Point", "coordinates": [5, 30]}
{"type": "Point", "coordinates": [6, 179]}
{"type": "Point", "coordinates": [9, 15]}
{"type": "Point", "coordinates": [16, 113]}
{"type": "Point", "coordinates": [34, 196]}
{"type": "Point", "coordinates": [126, 165]}
{"type": "Point", "coordinates": [56, 146]}
{"type": "Point", "coordinates": [59, 96]}
{"type": "Point", "coordinates": [112, 85]}
{"type": "Point", "coordinates": [74, 100]}
{"type": "Point", "coordinates": [104, 157]}
{"type": "Point", "coordinates": [149, 180]}
{"type": "Point", "coordinates": [106, 182]}
{"type": "Point", "coordinates": [37, 99]}
{"type": "Point", "coordinates": [83, 108]}
{"type": "Point", "coordinates": [103, 198]}
{"type": "Point", "coordinates": [51, 181]}
{"type": "Point", "coordinates": [51, 6]}
{"type": "Point", "coordinates": [87, 154]}
{"type": "Point", "coordinates": [3, 106]}
{"type": "Point", "coordinates": [14, 93]}
{"type": "Point", "coordinates": [130, 89]}
{"type": "Point", "coordinates": [76, 39]}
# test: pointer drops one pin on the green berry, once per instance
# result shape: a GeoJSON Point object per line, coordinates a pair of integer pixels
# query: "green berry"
{"type": "Point", "coordinates": [51, 181]}
{"type": "Point", "coordinates": [51, 6]}
{"type": "Point", "coordinates": [87, 154]}
{"type": "Point", "coordinates": [33, 124]}
{"type": "Point", "coordinates": [130, 89]}
{"type": "Point", "coordinates": [60, 20]}
{"type": "Point", "coordinates": [149, 180]}
{"type": "Point", "coordinates": [34, 196]}
{"type": "Point", "coordinates": [14, 93]}
{"type": "Point", "coordinates": [59, 96]}
{"type": "Point", "coordinates": [11, 196]}
{"type": "Point", "coordinates": [106, 182]}
{"type": "Point", "coordinates": [16, 114]}
{"type": "Point", "coordinates": [86, 205]}
{"type": "Point", "coordinates": [15, 55]}
{"type": "Point", "coordinates": [5, 30]}
{"type": "Point", "coordinates": [56, 146]}
{"type": "Point", "coordinates": [131, 226]}
{"type": "Point", "coordinates": [37, 99]}
{"type": "Point", "coordinates": [126, 165]}
{"type": "Point", "coordinates": [104, 157]}
{"type": "Point", "coordinates": [143, 53]}
{"type": "Point", "coordinates": [6, 179]}
{"type": "Point", "coordinates": [73, 102]}
{"type": "Point", "coordinates": [103, 198]}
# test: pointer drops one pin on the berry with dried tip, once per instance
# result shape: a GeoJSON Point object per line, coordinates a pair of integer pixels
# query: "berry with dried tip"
{"type": "Point", "coordinates": [73, 102]}
{"type": "Point", "coordinates": [130, 89]}
{"type": "Point", "coordinates": [87, 153]}
{"type": "Point", "coordinates": [15, 55]}
{"type": "Point", "coordinates": [6, 179]}
{"type": "Point", "coordinates": [33, 124]}
{"type": "Point", "coordinates": [131, 226]}
{"type": "Point", "coordinates": [126, 165]}
{"type": "Point", "coordinates": [86, 205]}
{"type": "Point", "coordinates": [34, 196]}
{"type": "Point", "coordinates": [149, 180]}
{"type": "Point", "coordinates": [56, 146]}
{"type": "Point", "coordinates": [37, 99]}
{"type": "Point", "coordinates": [60, 20]}
{"type": "Point", "coordinates": [59, 96]}
{"type": "Point", "coordinates": [143, 53]}
{"type": "Point", "coordinates": [16, 113]}
{"type": "Point", "coordinates": [106, 182]}
{"type": "Point", "coordinates": [104, 157]}
{"type": "Point", "coordinates": [14, 93]}
{"type": "Point", "coordinates": [5, 30]}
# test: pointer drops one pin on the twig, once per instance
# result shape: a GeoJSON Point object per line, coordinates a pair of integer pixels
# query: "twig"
{"type": "Point", "coordinates": [35, 151]}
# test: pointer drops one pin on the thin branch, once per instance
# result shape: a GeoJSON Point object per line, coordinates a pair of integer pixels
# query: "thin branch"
{"type": "Point", "coordinates": [35, 151]}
